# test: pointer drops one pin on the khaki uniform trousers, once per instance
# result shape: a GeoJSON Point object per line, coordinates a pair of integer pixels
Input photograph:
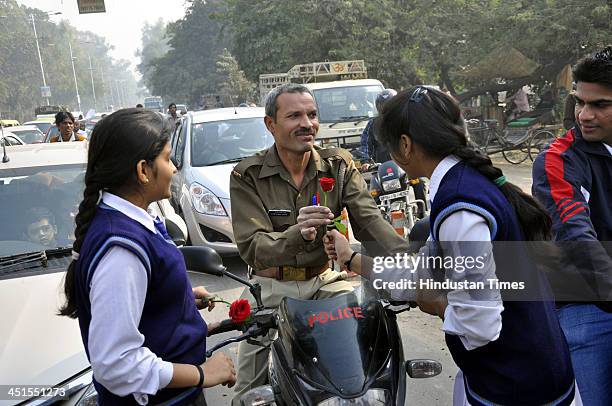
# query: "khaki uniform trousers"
{"type": "Point", "coordinates": [253, 359]}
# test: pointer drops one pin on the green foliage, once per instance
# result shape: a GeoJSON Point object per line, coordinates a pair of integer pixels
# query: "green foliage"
{"type": "Point", "coordinates": [20, 73]}
{"type": "Point", "coordinates": [231, 80]}
{"type": "Point", "coordinates": [404, 42]}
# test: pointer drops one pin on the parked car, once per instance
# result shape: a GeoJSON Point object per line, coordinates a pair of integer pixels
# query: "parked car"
{"type": "Point", "coordinates": [30, 134]}
{"type": "Point", "coordinates": [40, 189]}
{"type": "Point", "coordinates": [8, 123]}
{"type": "Point", "coordinates": [8, 138]}
{"type": "Point", "coordinates": [205, 148]}
{"type": "Point", "coordinates": [42, 124]}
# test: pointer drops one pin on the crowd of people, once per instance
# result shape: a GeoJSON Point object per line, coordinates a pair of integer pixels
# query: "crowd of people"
{"type": "Point", "coordinates": [138, 313]}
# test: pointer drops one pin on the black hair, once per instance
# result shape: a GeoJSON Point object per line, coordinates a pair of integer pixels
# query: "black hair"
{"type": "Point", "coordinates": [62, 115]}
{"type": "Point", "coordinates": [37, 213]}
{"type": "Point", "coordinates": [433, 121]}
{"type": "Point", "coordinates": [139, 105]}
{"type": "Point", "coordinates": [171, 104]}
{"type": "Point", "coordinates": [117, 144]}
{"type": "Point", "coordinates": [595, 68]}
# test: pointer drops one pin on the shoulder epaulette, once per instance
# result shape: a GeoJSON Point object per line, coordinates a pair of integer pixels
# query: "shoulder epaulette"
{"type": "Point", "coordinates": [336, 152]}
{"type": "Point", "coordinates": [246, 163]}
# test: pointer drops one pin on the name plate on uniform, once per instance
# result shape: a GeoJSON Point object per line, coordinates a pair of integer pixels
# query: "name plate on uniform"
{"type": "Point", "coordinates": [279, 212]}
{"type": "Point", "coordinates": [292, 273]}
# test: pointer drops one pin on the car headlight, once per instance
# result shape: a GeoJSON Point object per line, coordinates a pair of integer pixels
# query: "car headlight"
{"type": "Point", "coordinates": [372, 397]}
{"type": "Point", "coordinates": [204, 201]}
{"type": "Point", "coordinates": [90, 397]}
{"type": "Point", "coordinates": [391, 185]}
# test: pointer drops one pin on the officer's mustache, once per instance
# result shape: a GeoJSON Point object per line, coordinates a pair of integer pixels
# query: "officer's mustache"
{"type": "Point", "coordinates": [304, 131]}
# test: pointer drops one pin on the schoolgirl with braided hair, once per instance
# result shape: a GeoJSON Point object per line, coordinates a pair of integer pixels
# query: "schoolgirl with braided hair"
{"type": "Point", "coordinates": [508, 346]}
{"type": "Point", "coordinates": [127, 283]}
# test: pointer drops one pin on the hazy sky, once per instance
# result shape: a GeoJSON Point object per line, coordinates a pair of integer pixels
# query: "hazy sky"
{"type": "Point", "coordinates": [121, 24]}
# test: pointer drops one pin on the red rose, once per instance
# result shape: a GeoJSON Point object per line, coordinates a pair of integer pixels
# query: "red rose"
{"type": "Point", "coordinates": [240, 311]}
{"type": "Point", "coordinates": [327, 184]}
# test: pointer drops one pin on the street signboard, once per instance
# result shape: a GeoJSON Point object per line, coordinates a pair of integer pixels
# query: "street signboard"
{"type": "Point", "coordinates": [45, 91]}
{"type": "Point", "coordinates": [91, 6]}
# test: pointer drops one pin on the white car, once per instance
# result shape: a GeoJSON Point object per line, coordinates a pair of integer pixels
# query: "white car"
{"type": "Point", "coordinates": [30, 134]}
{"type": "Point", "coordinates": [205, 148]}
{"type": "Point", "coordinates": [8, 138]}
{"type": "Point", "coordinates": [41, 186]}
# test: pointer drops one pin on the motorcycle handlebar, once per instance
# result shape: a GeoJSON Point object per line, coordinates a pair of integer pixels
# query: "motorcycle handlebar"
{"type": "Point", "coordinates": [261, 322]}
{"type": "Point", "coordinates": [224, 327]}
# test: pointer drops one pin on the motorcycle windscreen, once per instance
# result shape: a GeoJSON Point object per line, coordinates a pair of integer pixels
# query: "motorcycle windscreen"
{"type": "Point", "coordinates": [340, 342]}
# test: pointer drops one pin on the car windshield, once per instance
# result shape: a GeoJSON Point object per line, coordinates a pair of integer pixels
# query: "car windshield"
{"type": "Point", "coordinates": [38, 207]}
{"type": "Point", "coordinates": [346, 103]}
{"type": "Point", "coordinates": [219, 141]}
{"type": "Point", "coordinates": [29, 136]}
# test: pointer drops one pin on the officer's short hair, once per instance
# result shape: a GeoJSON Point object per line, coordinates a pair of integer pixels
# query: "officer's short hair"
{"type": "Point", "coordinates": [170, 105]}
{"type": "Point", "coordinates": [595, 68]}
{"type": "Point", "coordinates": [272, 97]}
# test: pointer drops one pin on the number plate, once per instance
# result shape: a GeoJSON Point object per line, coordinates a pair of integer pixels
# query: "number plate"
{"type": "Point", "coordinates": [395, 195]}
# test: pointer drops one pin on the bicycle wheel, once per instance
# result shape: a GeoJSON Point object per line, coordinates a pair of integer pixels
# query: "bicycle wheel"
{"type": "Point", "coordinates": [515, 146]}
{"type": "Point", "coordinates": [538, 142]}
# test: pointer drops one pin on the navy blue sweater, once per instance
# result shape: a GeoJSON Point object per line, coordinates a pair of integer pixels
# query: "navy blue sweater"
{"type": "Point", "coordinates": [529, 364]}
{"type": "Point", "coordinates": [171, 324]}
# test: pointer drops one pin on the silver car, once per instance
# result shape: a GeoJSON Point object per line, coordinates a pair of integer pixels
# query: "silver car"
{"type": "Point", "coordinates": [205, 148]}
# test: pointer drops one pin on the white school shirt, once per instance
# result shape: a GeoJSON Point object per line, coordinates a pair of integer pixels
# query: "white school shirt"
{"type": "Point", "coordinates": [117, 294]}
{"type": "Point", "coordinates": [476, 322]}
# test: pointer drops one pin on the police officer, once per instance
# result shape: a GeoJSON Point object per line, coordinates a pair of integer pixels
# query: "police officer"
{"type": "Point", "coordinates": [279, 231]}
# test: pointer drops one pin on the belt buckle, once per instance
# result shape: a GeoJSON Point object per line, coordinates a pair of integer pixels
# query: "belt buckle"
{"type": "Point", "coordinates": [292, 273]}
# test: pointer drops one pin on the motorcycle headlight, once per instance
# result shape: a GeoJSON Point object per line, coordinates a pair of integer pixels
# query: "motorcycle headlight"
{"type": "Point", "coordinates": [90, 397]}
{"type": "Point", "coordinates": [372, 397]}
{"type": "Point", "coordinates": [204, 201]}
{"type": "Point", "coordinates": [391, 185]}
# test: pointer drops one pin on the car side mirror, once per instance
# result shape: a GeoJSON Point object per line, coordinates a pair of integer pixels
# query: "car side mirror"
{"type": "Point", "coordinates": [175, 232]}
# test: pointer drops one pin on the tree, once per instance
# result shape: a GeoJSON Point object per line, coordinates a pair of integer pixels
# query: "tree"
{"type": "Point", "coordinates": [231, 80]}
{"type": "Point", "coordinates": [186, 71]}
{"type": "Point", "coordinates": [154, 46]}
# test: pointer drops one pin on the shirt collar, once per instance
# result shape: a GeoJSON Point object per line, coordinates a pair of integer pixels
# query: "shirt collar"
{"type": "Point", "coordinates": [273, 165]}
{"type": "Point", "coordinates": [608, 147]}
{"type": "Point", "coordinates": [130, 210]}
{"type": "Point", "coordinates": [438, 174]}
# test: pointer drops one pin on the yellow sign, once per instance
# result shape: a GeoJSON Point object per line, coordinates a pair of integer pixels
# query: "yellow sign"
{"type": "Point", "coordinates": [91, 6]}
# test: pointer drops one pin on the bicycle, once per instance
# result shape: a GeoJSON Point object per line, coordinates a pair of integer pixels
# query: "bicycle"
{"type": "Point", "coordinates": [542, 138]}
{"type": "Point", "coordinates": [513, 143]}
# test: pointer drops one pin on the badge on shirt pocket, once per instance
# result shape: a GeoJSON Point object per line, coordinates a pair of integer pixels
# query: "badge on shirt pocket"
{"type": "Point", "coordinates": [281, 219]}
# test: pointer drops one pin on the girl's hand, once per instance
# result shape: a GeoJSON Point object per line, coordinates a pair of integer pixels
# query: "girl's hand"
{"type": "Point", "coordinates": [219, 369]}
{"type": "Point", "coordinates": [203, 299]}
{"type": "Point", "coordinates": [337, 246]}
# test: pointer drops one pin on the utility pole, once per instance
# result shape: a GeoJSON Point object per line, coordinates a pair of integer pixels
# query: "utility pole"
{"type": "Point", "coordinates": [93, 88]}
{"type": "Point", "coordinates": [42, 70]}
{"type": "Point", "coordinates": [76, 85]}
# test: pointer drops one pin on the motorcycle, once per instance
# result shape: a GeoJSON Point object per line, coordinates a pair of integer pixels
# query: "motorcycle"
{"type": "Point", "coordinates": [391, 189]}
{"type": "Point", "coordinates": [345, 350]}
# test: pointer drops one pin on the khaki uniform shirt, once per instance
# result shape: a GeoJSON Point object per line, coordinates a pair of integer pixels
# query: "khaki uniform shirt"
{"type": "Point", "coordinates": [266, 203]}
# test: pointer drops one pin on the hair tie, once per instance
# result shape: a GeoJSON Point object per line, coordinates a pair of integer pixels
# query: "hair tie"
{"type": "Point", "coordinates": [75, 255]}
{"type": "Point", "coordinates": [501, 181]}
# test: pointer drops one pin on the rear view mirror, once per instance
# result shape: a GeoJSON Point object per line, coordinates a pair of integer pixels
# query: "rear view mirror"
{"type": "Point", "coordinates": [423, 368]}
{"type": "Point", "coordinates": [175, 232]}
{"type": "Point", "coordinates": [203, 259]}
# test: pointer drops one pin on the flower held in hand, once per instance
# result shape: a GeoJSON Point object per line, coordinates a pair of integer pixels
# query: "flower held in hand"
{"type": "Point", "coordinates": [327, 184]}
{"type": "Point", "coordinates": [240, 311]}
